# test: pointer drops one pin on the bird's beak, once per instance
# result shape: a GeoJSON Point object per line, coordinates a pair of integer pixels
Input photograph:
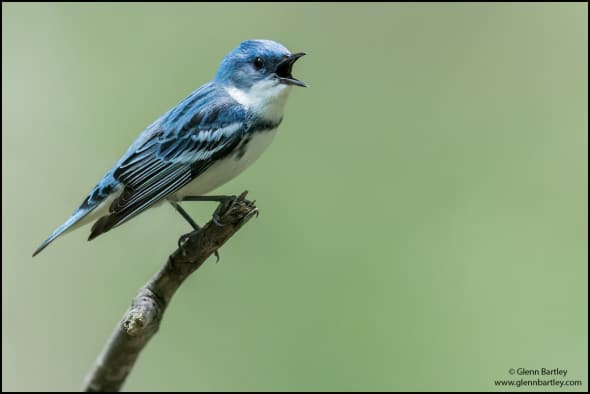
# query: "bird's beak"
{"type": "Point", "coordinates": [284, 70]}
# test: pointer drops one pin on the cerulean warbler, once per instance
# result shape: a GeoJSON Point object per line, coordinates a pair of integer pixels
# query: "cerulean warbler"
{"type": "Point", "coordinates": [207, 139]}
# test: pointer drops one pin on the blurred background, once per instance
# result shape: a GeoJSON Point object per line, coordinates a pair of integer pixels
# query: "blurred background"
{"type": "Point", "coordinates": [423, 208]}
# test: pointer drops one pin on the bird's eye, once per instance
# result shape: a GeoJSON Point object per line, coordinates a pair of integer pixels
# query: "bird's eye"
{"type": "Point", "coordinates": [258, 63]}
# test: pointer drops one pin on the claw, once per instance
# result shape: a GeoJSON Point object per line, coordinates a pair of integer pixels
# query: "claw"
{"type": "Point", "coordinates": [216, 215]}
{"type": "Point", "coordinates": [256, 211]}
{"type": "Point", "coordinates": [217, 222]}
{"type": "Point", "coordinates": [216, 253]}
{"type": "Point", "coordinates": [253, 212]}
{"type": "Point", "coordinates": [183, 238]}
{"type": "Point", "coordinates": [225, 206]}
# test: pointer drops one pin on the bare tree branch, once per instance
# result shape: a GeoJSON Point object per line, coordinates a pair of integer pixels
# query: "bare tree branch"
{"type": "Point", "coordinates": [142, 319]}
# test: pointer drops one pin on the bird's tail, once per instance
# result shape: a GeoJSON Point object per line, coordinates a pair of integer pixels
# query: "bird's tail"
{"type": "Point", "coordinates": [75, 218]}
{"type": "Point", "coordinates": [95, 203]}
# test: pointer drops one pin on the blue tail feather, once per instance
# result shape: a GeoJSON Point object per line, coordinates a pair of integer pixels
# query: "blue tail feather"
{"type": "Point", "coordinates": [107, 186]}
{"type": "Point", "coordinates": [75, 218]}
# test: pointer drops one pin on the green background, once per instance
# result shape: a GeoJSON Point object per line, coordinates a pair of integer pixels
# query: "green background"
{"type": "Point", "coordinates": [423, 208]}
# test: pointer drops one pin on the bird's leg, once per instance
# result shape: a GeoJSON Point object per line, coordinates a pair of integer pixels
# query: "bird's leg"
{"type": "Point", "coordinates": [225, 202]}
{"type": "Point", "coordinates": [190, 221]}
{"type": "Point", "coordinates": [185, 215]}
{"type": "Point", "coordinates": [183, 238]}
{"type": "Point", "coordinates": [219, 198]}
{"type": "Point", "coordinates": [222, 200]}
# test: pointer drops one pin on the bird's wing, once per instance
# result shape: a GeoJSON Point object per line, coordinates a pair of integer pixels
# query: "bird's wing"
{"type": "Point", "coordinates": [203, 128]}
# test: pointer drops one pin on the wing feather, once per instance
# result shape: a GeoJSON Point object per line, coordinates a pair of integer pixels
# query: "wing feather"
{"type": "Point", "coordinates": [181, 146]}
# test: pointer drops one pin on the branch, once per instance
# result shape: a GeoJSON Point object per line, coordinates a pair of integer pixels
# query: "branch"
{"type": "Point", "coordinates": [142, 319]}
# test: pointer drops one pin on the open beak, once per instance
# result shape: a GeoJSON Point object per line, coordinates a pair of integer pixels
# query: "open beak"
{"type": "Point", "coordinates": [284, 70]}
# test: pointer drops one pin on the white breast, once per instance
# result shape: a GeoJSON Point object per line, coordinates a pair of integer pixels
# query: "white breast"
{"type": "Point", "coordinates": [228, 168]}
{"type": "Point", "coordinates": [266, 99]}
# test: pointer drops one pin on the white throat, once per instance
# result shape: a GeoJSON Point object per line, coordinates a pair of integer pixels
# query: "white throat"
{"type": "Point", "coordinates": [266, 98]}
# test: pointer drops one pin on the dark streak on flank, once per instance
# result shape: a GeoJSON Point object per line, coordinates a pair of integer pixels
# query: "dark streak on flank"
{"type": "Point", "coordinates": [242, 147]}
{"type": "Point", "coordinates": [260, 126]}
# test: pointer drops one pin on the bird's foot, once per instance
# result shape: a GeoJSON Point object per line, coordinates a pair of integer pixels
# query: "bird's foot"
{"type": "Point", "coordinates": [227, 204]}
{"type": "Point", "coordinates": [184, 237]}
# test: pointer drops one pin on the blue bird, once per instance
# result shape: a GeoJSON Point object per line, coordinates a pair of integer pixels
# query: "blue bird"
{"type": "Point", "coordinates": [207, 139]}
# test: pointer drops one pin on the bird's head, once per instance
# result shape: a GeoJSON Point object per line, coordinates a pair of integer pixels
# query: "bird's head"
{"type": "Point", "coordinates": [258, 63]}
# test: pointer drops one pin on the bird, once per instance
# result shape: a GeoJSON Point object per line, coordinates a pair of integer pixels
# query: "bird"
{"type": "Point", "coordinates": [204, 141]}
